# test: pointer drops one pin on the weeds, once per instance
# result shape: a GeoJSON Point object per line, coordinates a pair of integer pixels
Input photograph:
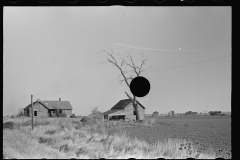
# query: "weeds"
{"type": "Point", "coordinates": [68, 138]}
{"type": "Point", "coordinates": [45, 140]}
{"type": "Point", "coordinates": [8, 125]}
{"type": "Point", "coordinates": [64, 148]}
{"type": "Point", "coordinates": [50, 132]}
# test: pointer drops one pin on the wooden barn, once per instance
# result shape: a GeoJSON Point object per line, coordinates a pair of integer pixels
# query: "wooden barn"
{"type": "Point", "coordinates": [124, 110]}
{"type": "Point", "coordinates": [44, 108]}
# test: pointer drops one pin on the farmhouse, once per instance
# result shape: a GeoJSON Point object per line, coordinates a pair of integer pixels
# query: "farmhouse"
{"type": "Point", "coordinates": [43, 108]}
{"type": "Point", "coordinates": [124, 110]}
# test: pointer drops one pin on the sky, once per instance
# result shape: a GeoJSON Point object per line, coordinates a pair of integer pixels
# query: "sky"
{"type": "Point", "coordinates": [57, 52]}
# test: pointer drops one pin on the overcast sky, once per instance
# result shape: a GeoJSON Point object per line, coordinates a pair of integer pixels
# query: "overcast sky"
{"type": "Point", "coordinates": [55, 52]}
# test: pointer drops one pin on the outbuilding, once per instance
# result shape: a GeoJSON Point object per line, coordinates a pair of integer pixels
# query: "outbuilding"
{"type": "Point", "coordinates": [124, 110]}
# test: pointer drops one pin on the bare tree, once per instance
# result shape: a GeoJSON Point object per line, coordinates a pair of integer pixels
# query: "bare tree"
{"type": "Point", "coordinates": [169, 113]}
{"type": "Point", "coordinates": [172, 113]}
{"type": "Point", "coordinates": [20, 112]}
{"type": "Point", "coordinates": [129, 70]}
{"type": "Point", "coordinates": [95, 110]}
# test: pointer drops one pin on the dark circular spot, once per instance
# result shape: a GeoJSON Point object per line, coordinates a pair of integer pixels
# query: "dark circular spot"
{"type": "Point", "coordinates": [140, 86]}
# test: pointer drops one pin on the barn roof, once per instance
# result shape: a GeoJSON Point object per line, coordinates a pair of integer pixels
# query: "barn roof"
{"type": "Point", "coordinates": [123, 103]}
{"type": "Point", "coordinates": [53, 104]}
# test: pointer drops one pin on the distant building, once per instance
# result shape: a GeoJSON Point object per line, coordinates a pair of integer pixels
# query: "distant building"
{"type": "Point", "coordinates": [45, 108]}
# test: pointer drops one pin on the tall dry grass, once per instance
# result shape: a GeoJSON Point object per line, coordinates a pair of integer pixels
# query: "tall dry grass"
{"type": "Point", "coordinates": [68, 138]}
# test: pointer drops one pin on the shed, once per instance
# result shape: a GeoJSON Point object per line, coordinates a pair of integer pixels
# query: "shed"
{"type": "Point", "coordinates": [124, 110]}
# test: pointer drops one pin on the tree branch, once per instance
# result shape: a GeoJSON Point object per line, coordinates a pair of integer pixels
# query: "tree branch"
{"type": "Point", "coordinates": [127, 61]}
{"type": "Point", "coordinates": [144, 70]}
{"type": "Point", "coordinates": [132, 65]}
{"type": "Point", "coordinates": [114, 62]}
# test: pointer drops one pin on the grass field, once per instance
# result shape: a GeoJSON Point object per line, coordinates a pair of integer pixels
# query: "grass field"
{"type": "Point", "coordinates": [208, 131]}
{"type": "Point", "coordinates": [199, 137]}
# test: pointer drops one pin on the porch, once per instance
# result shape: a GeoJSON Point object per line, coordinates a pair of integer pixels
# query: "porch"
{"type": "Point", "coordinates": [115, 116]}
{"type": "Point", "coordinates": [53, 112]}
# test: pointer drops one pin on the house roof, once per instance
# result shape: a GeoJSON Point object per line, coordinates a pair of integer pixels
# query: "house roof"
{"type": "Point", "coordinates": [28, 106]}
{"type": "Point", "coordinates": [111, 111]}
{"type": "Point", "coordinates": [53, 104]}
{"type": "Point", "coordinates": [123, 103]}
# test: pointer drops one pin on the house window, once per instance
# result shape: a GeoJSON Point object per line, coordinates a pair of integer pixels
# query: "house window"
{"type": "Point", "coordinates": [35, 113]}
{"type": "Point", "coordinates": [134, 112]}
{"type": "Point", "coordinates": [60, 111]}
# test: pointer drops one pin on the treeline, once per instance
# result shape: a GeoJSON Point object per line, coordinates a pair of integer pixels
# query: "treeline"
{"type": "Point", "coordinates": [172, 113]}
{"type": "Point", "coordinates": [214, 113]}
{"type": "Point", "coordinates": [190, 112]}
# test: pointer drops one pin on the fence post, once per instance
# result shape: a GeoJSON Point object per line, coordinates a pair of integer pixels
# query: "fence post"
{"type": "Point", "coordinates": [32, 109]}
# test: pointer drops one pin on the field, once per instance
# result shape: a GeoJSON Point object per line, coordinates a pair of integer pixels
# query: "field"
{"type": "Point", "coordinates": [209, 131]}
{"type": "Point", "coordinates": [200, 137]}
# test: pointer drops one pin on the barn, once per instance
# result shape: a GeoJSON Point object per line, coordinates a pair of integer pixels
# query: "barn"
{"type": "Point", "coordinates": [124, 110]}
{"type": "Point", "coordinates": [46, 108]}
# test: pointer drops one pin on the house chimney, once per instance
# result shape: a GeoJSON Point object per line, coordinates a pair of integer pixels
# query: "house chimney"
{"type": "Point", "coordinates": [59, 99]}
{"type": "Point", "coordinates": [38, 100]}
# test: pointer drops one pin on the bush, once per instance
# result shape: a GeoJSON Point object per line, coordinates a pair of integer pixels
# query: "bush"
{"type": "Point", "coordinates": [95, 110]}
{"type": "Point", "coordinates": [72, 116]}
{"type": "Point", "coordinates": [8, 125]}
{"type": "Point", "coordinates": [98, 117]}
{"type": "Point", "coordinates": [213, 113]}
{"type": "Point", "coordinates": [20, 113]}
{"type": "Point", "coordinates": [63, 115]}
{"type": "Point", "coordinates": [155, 113]}
{"type": "Point", "coordinates": [60, 114]}
{"type": "Point", "coordinates": [172, 113]}
{"type": "Point", "coordinates": [87, 120]}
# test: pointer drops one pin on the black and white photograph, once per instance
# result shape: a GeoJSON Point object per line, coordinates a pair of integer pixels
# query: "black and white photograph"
{"type": "Point", "coordinates": [117, 82]}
